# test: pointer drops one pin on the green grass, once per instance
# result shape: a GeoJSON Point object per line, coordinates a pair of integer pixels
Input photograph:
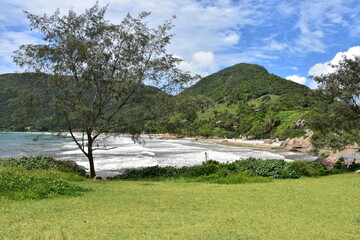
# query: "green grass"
{"type": "Point", "coordinates": [306, 208]}
{"type": "Point", "coordinates": [19, 184]}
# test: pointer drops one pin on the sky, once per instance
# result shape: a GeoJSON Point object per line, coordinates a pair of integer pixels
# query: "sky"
{"type": "Point", "coordinates": [290, 38]}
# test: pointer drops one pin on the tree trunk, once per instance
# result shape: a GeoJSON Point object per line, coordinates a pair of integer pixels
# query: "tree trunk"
{"type": "Point", "coordinates": [91, 163]}
{"type": "Point", "coordinates": [91, 158]}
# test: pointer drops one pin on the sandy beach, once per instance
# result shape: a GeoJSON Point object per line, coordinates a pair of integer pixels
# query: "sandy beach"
{"type": "Point", "coordinates": [264, 144]}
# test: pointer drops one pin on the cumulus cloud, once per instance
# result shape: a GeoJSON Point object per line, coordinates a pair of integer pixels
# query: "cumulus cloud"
{"type": "Point", "coordinates": [313, 84]}
{"type": "Point", "coordinates": [297, 79]}
{"type": "Point", "coordinates": [202, 63]}
{"type": "Point", "coordinates": [235, 31]}
{"type": "Point", "coordinates": [215, 24]}
{"type": "Point", "coordinates": [324, 68]}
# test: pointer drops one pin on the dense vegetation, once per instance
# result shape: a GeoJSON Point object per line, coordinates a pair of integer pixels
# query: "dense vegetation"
{"type": "Point", "coordinates": [337, 122]}
{"type": "Point", "coordinates": [242, 171]}
{"type": "Point", "coordinates": [243, 100]}
{"type": "Point", "coordinates": [38, 178]}
{"type": "Point", "coordinates": [248, 101]}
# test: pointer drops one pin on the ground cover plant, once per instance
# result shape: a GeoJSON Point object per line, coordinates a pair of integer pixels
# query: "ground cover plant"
{"type": "Point", "coordinates": [39, 178]}
{"type": "Point", "coordinates": [241, 171]}
{"type": "Point", "coordinates": [43, 162]}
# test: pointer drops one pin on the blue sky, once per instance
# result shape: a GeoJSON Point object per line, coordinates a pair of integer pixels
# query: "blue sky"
{"type": "Point", "coordinates": [292, 39]}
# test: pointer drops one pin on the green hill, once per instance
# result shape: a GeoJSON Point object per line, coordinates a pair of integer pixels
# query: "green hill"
{"type": "Point", "coordinates": [32, 107]}
{"type": "Point", "coordinates": [243, 100]}
{"type": "Point", "coordinates": [249, 101]}
{"type": "Point", "coordinates": [245, 82]}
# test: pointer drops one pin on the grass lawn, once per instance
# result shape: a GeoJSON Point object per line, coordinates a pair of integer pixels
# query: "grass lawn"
{"type": "Point", "coordinates": [306, 208]}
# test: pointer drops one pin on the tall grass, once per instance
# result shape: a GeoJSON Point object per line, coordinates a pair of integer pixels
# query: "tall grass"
{"type": "Point", "coordinates": [38, 178]}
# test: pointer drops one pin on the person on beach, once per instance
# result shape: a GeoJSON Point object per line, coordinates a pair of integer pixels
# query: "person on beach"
{"type": "Point", "coordinates": [351, 164]}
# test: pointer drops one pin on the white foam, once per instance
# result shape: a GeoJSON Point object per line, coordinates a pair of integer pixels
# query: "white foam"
{"type": "Point", "coordinates": [128, 154]}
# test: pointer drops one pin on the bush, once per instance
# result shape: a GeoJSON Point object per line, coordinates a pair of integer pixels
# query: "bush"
{"type": "Point", "coordinates": [42, 162]}
{"type": "Point", "coordinates": [223, 177]}
{"type": "Point", "coordinates": [307, 169]}
{"type": "Point", "coordinates": [17, 184]}
{"type": "Point", "coordinates": [266, 168]}
{"type": "Point", "coordinates": [248, 170]}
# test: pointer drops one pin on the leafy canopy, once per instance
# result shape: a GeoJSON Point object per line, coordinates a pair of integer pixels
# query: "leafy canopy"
{"type": "Point", "coordinates": [338, 123]}
{"type": "Point", "coordinates": [96, 70]}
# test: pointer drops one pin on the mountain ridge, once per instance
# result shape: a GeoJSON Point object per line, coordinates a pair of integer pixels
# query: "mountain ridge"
{"type": "Point", "coordinates": [244, 81]}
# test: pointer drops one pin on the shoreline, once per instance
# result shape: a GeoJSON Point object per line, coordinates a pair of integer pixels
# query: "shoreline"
{"type": "Point", "coordinates": [238, 142]}
{"type": "Point", "coordinates": [258, 144]}
{"type": "Point", "coordinates": [262, 144]}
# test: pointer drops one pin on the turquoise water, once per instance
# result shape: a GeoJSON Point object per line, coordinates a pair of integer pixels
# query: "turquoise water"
{"type": "Point", "coordinates": [31, 144]}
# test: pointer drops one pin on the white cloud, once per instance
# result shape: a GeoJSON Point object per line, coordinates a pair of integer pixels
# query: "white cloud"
{"type": "Point", "coordinates": [202, 63]}
{"type": "Point", "coordinates": [317, 21]}
{"type": "Point", "coordinates": [200, 25]}
{"type": "Point", "coordinates": [297, 79]}
{"type": "Point", "coordinates": [313, 85]}
{"type": "Point", "coordinates": [232, 38]}
{"type": "Point", "coordinates": [234, 31]}
{"type": "Point", "coordinates": [324, 68]}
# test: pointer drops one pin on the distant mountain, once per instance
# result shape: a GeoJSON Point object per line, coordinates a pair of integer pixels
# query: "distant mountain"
{"type": "Point", "coordinates": [34, 111]}
{"type": "Point", "coordinates": [19, 83]}
{"type": "Point", "coordinates": [245, 82]}
{"type": "Point", "coordinates": [249, 101]}
{"type": "Point", "coordinates": [242, 100]}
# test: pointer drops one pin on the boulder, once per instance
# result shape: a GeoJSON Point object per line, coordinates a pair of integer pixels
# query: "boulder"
{"type": "Point", "coordinates": [73, 164]}
{"type": "Point", "coordinates": [357, 172]}
{"type": "Point", "coordinates": [295, 143]}
{"type": "Point", "coordinates": [328, 162]}
{"type": "Point", "coordinates": [268, 141]}
{"type": "Point", "coordinates": [97, 177]}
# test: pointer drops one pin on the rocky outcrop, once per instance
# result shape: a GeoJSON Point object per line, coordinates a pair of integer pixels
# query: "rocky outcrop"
{"type": "Point", "coordinates": [328, 162]}
{"type": "Point", "coordinates": [297, 143]}
{"type": "Point", "coordinates": [73, 164]}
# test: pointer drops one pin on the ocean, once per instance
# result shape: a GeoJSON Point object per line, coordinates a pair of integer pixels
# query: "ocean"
{"type": "Point", "coordinates": [127, 154]}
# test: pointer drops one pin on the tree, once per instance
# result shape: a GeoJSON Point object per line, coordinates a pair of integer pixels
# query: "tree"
{"type": "Point", "coordinates": [96, 70]}
{"type": "Point", "coordinates": [338, 122]}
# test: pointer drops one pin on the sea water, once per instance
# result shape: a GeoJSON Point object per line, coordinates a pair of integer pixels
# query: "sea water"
{"type": "Point", "coordinates": [123, 153]}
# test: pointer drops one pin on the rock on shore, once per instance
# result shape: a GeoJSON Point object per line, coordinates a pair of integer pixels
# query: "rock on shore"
{"type": "Point", "coordinates": [297, 143]}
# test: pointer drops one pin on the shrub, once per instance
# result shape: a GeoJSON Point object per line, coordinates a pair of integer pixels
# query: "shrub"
{"type": "Point", "coordinates": [223, 177]}
{"type": "Point", "coordinates": [42, 162]}
{"type": "Point", "coordinates": [20, 185]}
{"type": "Point", "coordinates": [148, 172]}
{"type": "Point", "coordinates": [308, 169]}
{"type": "Point", "coordinates": [266, 168]}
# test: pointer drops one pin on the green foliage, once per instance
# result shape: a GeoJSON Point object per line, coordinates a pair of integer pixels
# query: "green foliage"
{"type": "Point", "coordinates": [267, 168]}
{"type": "Point", "coordinates": [44, 163]}
{"type": "Point", "coordinates": [250, 102]}
{"type": "Point", "coordinates": [307, 169]}
{"type": "Point", "coordinates": [19, 187]}
{"type": "Point", "coordinates": [241, 171]}
{"type": "Point", "coordinates": [224, 177]}
{"type": "Point", "coordinates": [16, 183]}
{"type": "Point", "coordinates": [97, 71]}
{"type": "Point", "coordinates": [337, 122]}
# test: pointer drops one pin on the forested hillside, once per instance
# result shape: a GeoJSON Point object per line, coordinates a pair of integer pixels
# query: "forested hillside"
{"type": "Point", "coordinates": [243, 100]}
{"type": "Point", "coordinates": [34, 109]}
{"type": "Point", "coordinates": [249, 101]}
{"type": "Point", "coordinates": [25, 105]}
